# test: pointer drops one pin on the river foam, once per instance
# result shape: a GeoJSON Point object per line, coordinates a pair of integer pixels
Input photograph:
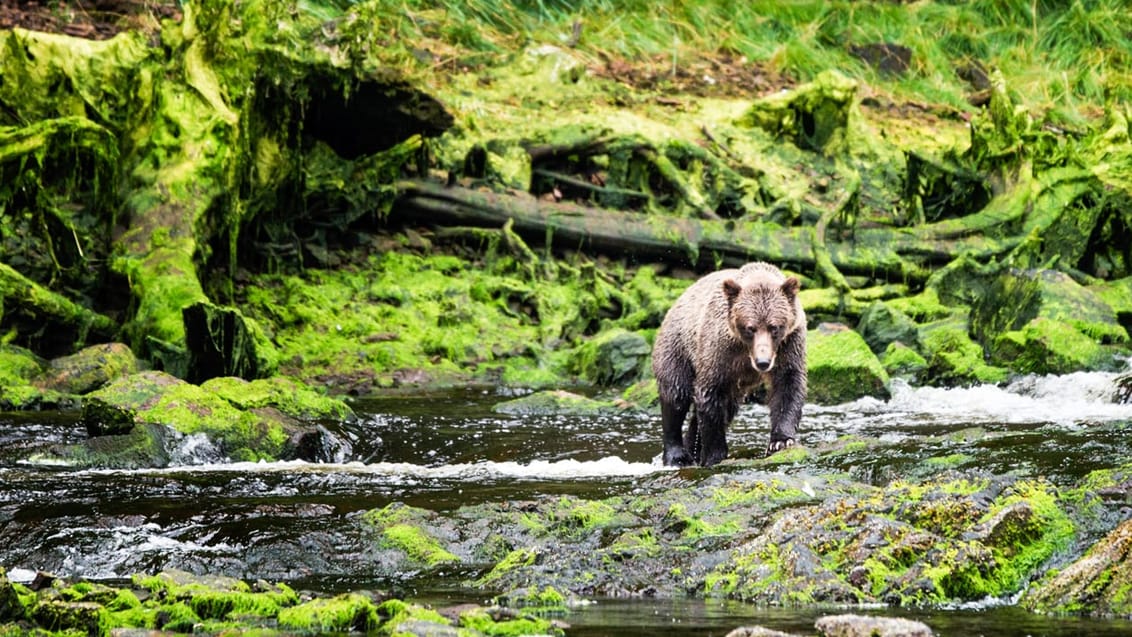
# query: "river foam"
{"type": "Point", "coordinates": [607, 467]}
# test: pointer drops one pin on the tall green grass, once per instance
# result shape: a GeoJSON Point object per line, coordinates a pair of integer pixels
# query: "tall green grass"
{"type": "Point", "coordinates": [1057, 55]}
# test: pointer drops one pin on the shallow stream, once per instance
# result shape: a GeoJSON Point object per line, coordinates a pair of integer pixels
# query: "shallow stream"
{"type": "Point", "coordinates": [286, 521]}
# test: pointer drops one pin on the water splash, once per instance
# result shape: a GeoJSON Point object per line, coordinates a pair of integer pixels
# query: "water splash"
{"type": "Point", "coordinates": [1070, 401]}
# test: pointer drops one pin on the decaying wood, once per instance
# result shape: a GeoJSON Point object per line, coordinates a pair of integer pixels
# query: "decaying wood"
{"type": "Point", "coordinates": [888, 254]}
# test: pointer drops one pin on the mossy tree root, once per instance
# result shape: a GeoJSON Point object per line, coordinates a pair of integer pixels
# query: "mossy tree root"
{"type": "Point", "coordinates": [61, 324]}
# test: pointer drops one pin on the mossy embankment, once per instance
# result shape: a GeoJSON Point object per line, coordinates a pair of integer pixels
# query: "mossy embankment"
{"type": "Point", "coordinates": [247, 187]}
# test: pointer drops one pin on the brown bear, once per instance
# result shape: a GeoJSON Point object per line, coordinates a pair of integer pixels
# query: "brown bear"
{"type": "Point", "coordinates": [728, 333]}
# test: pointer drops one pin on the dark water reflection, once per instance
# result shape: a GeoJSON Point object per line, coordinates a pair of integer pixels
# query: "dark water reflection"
{"type": "Point", "coordinates": [290, 521]}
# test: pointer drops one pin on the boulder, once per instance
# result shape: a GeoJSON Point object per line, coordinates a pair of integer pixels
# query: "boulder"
{"type": "Point", "coordinates": [953, 358]}
{"type": "Point", "coordinates": [841, 366]}
{"type": "Point", "coordinates": [1017, 297]}
{"type": "Point", "coordinates": [881, 325]}
{"type": "Point", "coordinates": [614, 357]}
{"type": "Point", "coordinates": [89, 368]}
{"type": "Point", "coordinates": [901, 361]}
{"type": "Point", "coordinates": [18, 367]}
{"type": "Point", "coordinates": [1047, 346]}
{"type": "Point", "coordinates": [285, 394]}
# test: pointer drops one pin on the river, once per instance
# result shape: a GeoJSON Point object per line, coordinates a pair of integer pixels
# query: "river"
{"type": "Point", "coordinates": [287, 521]}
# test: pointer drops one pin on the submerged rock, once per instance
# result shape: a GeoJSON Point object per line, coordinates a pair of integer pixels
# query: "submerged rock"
{"type": "Point", "coordinates": [747, 535]}
{"type": "Point", "coordinates": [553, 403]}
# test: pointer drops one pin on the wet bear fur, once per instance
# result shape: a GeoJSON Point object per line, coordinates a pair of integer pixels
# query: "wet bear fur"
{"type": "Point", "coordinates": [727, 334]}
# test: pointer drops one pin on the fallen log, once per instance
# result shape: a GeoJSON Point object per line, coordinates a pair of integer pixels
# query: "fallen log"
{"type": "Point", "coordinates": [49, 322]}
{"type": "Point", "coordinates": [889, 254]}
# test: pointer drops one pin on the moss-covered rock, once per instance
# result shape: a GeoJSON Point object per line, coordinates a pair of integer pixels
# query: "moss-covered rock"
{"type": "Point", "coordinates": [1048, 346]}
{"type": "Point", "coordinates": [1019, 296]}
{"type": "Point", "coordinates": [553, 402]}
{"type": "Point", "coordinates": [614, 357]}
{"type": "Point", "coordinates": [181, 602]}
{"type": "Point", "coordinates": [349, 612]}
{"type": "Point", "coordinates": [89, 368]}
{"type": "Point", "coordinates": [401, 531]}
{"type": "Point", "coordinates": [147, 414]}
{"type": "Point", "coordinates": [901, 361]}
{"type": "Point", "coordinates": [86, 618]}
{"type": "Point", "coordinates": [953, 357]}
{"type": "Point", "coordinates": [18, 368]}
{"type": "Point", "coordinates": [841, 367]}
{"type": "Point", "coordinates": [1099, 583]}
{"type": "Point", "coordinates": [881, 325]}
{"type": "Point", "coordinates": [285, 394]}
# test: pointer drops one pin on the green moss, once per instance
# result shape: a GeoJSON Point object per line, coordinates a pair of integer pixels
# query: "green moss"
{"type": "Point", "coordinates": [287, 395]}
{"type": "Point", "coordinates": [902, 361]}
{"type": "Point", "coordinates": [694, 528]}
{"type": "Point", "coordinates": [923, 307]}
{"type": "Point", "coordinates": [350, 612]}
{"type": "Point", "coordinates": [953, 358]}
{"type": "Point", "coordinates": [771, 492]}
{"type": "Point", "coordinates": [614, 357]}
{"type": "Point", "coordinates": [1042, 532]}
{"type": "Point", "coordinates": [399, 528]}
{"type": "Point", "coordinates": [19, 366]}
{"type": "Point", "coordinates": [417, 544]}
{"type": "Point", "coordinates": [482, 622]}
{"type": "Point", "coordinates": [937, 463]}
{"type": "Point", "coordinates": [394, 612]}
{"type": "Point", "coordinates": [1046, 346]}
{"type": "Point", "coordinates": [576, 518]}
{"type": "Point", "coordinates": [790, 455]}
{"type": "Point", "coordinates": [517, 558]}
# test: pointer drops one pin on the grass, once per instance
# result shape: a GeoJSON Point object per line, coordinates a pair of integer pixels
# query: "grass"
{"type": "Point", "coordinates": [1062, 57]}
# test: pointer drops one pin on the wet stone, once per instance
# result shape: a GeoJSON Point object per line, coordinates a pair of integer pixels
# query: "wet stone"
{"type": "Point", "coordinates": [863, 626]}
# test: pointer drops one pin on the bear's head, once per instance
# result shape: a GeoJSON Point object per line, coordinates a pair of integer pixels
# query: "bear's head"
{"type": "Point", "coordinates": [761, 313]}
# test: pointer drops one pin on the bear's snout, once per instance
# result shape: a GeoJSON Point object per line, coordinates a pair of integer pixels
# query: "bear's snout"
{"type": "Point", "coordinates": [762, 352]}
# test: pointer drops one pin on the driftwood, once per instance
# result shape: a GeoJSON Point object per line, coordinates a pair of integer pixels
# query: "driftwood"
{"type": "Point", "coordinates": [890, 254]}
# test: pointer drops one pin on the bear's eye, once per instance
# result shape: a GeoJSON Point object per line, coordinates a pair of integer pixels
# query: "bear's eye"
{"type": "Point", "coordinates": [776, 330]}
{"type": "Point", "coordinates": [748, 331]}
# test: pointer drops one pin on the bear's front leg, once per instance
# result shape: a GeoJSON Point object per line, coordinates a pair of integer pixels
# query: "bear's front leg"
{"type": "Point", "coordinates": [672, 420]}
{"type": "Point", "coordinates": [787, 393]}
{"type": "Point", "coordinates": [714, 411]}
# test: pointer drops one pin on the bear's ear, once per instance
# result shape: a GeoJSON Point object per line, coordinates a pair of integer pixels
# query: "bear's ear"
{"type": "Point", "coordinates": [790, 287]}
{"type": "Point", "coordinates": [731, 290]}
